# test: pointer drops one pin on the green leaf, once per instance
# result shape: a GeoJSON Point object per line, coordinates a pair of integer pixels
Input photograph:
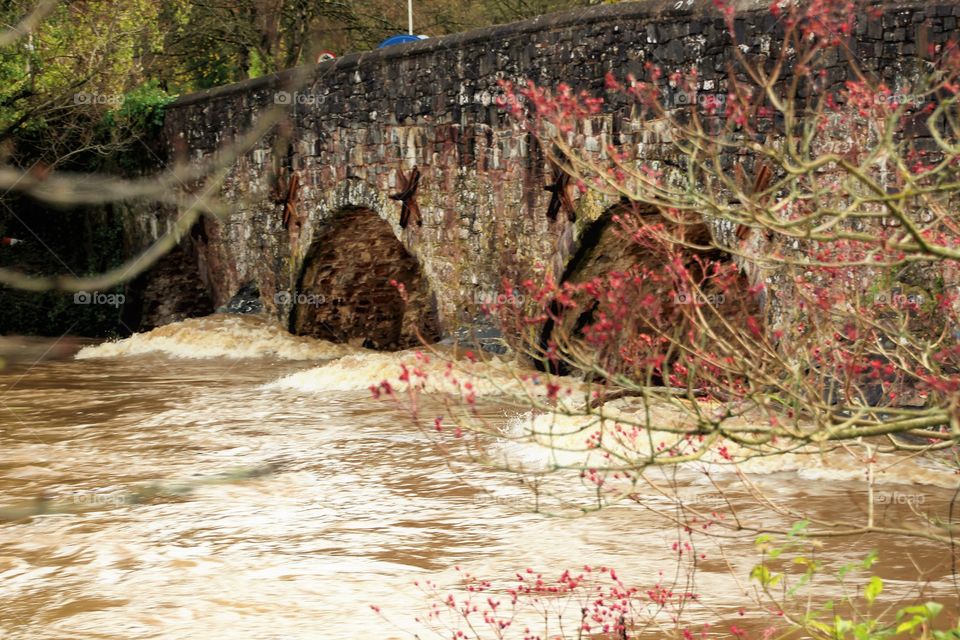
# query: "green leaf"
{"type": "Point", "coordinates": [864, 631]}
{"type": "Point", "coordinates": [841, 626]}
{"type": "Point", "coordinates": [873, 589]}
{"type": "Point", "coordinates": [871, 559]}
{"type": "Point", "coordinates": [927, 610]}
{"type": "Point", "coordinates": [798, 528]}
{"type": "Point", "coordinates": [844, 570]}
{"type": "Point", "coordinates": [761, 574]}
{"type": "Point", "coordinates": [909, 625]}
{"type": "Point", "coordinates": [819, 626]}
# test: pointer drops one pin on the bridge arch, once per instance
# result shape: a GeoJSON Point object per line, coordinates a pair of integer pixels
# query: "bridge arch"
{"type": "Point", "coordinates": [597, 250]}
{"type": "Point", "coordinates": [344, 291]}
{"type": "Point", "coordinates": [603, 247]}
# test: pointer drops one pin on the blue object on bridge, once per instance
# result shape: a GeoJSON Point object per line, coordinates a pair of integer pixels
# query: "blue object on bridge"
{"type": "Point", "coordinates": [402, 38]}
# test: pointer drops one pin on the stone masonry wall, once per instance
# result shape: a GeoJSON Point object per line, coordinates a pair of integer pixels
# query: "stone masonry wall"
{"type": "Point", "coordinates": [364, 118]}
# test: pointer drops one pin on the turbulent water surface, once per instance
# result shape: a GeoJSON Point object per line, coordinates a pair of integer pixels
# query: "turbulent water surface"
{"type": "Point", "coordinates": [220, 478]}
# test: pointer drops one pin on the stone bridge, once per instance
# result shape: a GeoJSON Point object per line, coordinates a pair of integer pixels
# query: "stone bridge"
{"type": "Point", "coordinates": [314, 228]}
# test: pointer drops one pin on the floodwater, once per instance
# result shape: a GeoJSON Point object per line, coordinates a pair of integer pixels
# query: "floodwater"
{"type": "Point", "coordinates": [220, 479]}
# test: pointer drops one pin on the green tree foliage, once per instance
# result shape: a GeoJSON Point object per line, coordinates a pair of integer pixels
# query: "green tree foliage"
{"type": "Point", "coordinates": [87, 58]}
{"type": "Point", "coordinates": [57, 83]}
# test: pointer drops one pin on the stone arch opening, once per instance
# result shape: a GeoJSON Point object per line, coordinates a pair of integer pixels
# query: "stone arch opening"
{"type": "Point", "coordinates": [344, 292]}
{"type": "Point", "coordinates": [603, 249]}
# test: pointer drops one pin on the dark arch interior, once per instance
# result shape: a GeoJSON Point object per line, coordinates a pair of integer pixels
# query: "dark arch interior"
{"type": "Point", "coordinates": [171, 290]}
{"type": "Point", "coordinates": [344, 293]}
{"type": "Point", "coordinates": [599, 252]}
{"type": "Point", "coordinates": [603, 249]}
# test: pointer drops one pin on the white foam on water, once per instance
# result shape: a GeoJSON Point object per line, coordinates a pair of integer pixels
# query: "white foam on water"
{"type": "Point", "coordinates": [841, 466]}
{"type": "Point", "coordinates": [446, 374]}
{"type": "Point", "coordinates": [219, 336]}
{"type": "Point", "coordinates": [567, 437]}
{"type": "Point", "coordinates": [540, 441]}
{"type": "Point", "coordinates": [532, 439]}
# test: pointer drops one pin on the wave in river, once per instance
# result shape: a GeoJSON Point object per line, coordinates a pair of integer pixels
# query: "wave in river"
{"type": "Point", "coordinates": [548, 440]}
{"type": "Point", "coordinates": [445, 373]}
{"type": "Point", "coordinates": [537, 439]}
{"type": "Point", "coordinates": [220, 336]}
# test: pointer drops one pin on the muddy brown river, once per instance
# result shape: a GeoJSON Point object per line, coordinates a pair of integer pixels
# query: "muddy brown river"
{"type": "Point", "coordinates": [271, 506]}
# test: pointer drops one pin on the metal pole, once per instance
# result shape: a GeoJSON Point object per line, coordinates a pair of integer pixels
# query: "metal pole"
{"type": "Point", "coordinates": [410, 17]}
